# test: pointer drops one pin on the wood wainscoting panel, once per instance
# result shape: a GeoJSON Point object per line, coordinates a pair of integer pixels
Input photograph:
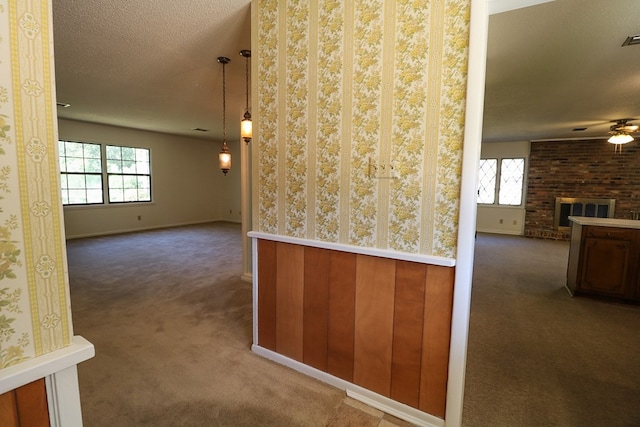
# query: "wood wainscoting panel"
{"type": "Point", "coordinates": [380, 323]}
{"type": "Point", "coordinates": [407, 332]}
{"type": "Point", "coordinates": [316, 307]}
{"type": "Point", "coordinates": [342, 306]}
{"type": "Point", "coordinates": [438, 306]}
{"type": "Point", "coordinates": [32, 404]}
{"type": "Point", "coordinates": [25, 406]}
{"type": "Point", "coordinates": [289, 300]}
{"type": "Point", "coordinates": [267, 294]}
{"type": "Point", "coordinates": [375, 289]}
{"type": "Point", "coordinates": [9, 409]}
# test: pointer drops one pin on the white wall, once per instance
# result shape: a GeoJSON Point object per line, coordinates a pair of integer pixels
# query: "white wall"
{"type": "Point", "coordinates": [504, 219]}
{"type": "Point", "coordinates": [187, 185]}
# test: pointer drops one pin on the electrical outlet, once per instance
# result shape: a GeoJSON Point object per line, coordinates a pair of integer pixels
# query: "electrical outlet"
{"type": "Point", "coordinates": [501, 220]}
{"type": "Point", "coordinates": [139, 217]}
{"type": "Point", "coordinates": [230, 211]}
{"type": "Point", "coordinates": [515, 222]}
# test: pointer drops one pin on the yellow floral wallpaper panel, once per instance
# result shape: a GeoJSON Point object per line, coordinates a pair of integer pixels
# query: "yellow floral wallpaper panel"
{"type": "Point", "coordinates": [359, 125]}
{"type": "Point", "coordinates": [34, 302]}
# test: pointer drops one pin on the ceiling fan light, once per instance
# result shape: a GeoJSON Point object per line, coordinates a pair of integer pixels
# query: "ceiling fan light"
{"type": "Point", "coordinates": [620, 138]}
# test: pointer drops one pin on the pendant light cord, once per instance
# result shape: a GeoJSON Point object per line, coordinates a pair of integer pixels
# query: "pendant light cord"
{"type": "Point", "coordinates": [246, 80]}
{"type": "Point", "coordinates": [224, 105]}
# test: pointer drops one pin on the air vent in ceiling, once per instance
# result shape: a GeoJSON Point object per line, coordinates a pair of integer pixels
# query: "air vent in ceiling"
{"type": "Point", "coordinates": [579, 129]}
{"type": "Point", "coordinates": [63, 105]}
{"type": "Point", "coordinates": [632, 40]}
{"type": "Point", "coordinates": [201, 130]}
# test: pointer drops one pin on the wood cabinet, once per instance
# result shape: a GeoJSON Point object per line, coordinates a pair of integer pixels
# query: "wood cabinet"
{"type": "Point", "coordinates": [604, 260]}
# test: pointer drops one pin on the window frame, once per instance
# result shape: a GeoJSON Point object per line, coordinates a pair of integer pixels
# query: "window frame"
{"type": "Point", "coordinates": [123, 175]}
{"type": "Point", "coordinates": [498, 181]}
{"type": "Point", "coordinates": [66, 174]}
{"type": "Point", "coordinates": [104, 175]}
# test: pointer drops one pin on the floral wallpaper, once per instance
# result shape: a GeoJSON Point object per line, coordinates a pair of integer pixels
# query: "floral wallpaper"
{"type": "Point", "coordinates": [359, 124]}
{"type": "Point", "coordinates": [34, 314]}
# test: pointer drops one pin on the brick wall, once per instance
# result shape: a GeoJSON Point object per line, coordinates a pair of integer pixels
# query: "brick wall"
{"type": "Point", "coordinates": [587, 169]}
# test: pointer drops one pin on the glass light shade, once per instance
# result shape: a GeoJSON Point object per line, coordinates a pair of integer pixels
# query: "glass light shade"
{"type": "Point", "coordinates": [224, 159]}
{"type": "Point", "coordinates": [620, 138]}
{"type": "Point", "coordinates": [246, 127]}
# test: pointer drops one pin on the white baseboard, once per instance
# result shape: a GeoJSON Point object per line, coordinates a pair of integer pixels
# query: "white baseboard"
{"type": "Point", "coordinates": [361, 394]}
{"type": "Point", "coordinates": [501, 231]}
{"type": "Point", "coordinates": [133, 230]}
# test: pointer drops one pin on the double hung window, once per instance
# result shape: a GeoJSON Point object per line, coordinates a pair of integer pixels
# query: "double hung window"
{"type": "Point", "coordinates": [86, 167]}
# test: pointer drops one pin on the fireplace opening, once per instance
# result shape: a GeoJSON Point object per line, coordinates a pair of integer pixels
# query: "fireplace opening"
{"type": "Point", "coordinates": [575, 206]}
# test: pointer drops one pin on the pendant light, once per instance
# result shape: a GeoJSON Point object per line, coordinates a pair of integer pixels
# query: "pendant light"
{"type": "Point", "coordinates": [245, 124]}
{"type": "Point", "coordinates": [224, 158]}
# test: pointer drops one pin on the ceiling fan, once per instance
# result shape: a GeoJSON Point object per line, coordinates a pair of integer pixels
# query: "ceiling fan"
{"type": "Point", "coordinates": [621, 133]}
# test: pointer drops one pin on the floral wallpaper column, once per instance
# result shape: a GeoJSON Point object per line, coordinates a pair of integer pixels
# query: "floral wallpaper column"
{"type": "Point", "coordinates": [359, 124]}
{"type": "Point", "coordinates": [34, 303]}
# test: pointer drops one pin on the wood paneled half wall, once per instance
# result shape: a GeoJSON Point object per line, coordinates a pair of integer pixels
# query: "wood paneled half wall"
{"type": "Point", "coordinates": [380, 323]}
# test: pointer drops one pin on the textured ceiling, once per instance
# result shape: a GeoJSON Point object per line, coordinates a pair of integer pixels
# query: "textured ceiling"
{"type": "Point", "coordinates": [560, 65]}
{"type": "Point", "coordinates": [152, 65]}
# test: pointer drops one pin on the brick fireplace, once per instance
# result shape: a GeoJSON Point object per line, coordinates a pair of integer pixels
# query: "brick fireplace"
{"type": "Point", "coordinates": [586, 169]}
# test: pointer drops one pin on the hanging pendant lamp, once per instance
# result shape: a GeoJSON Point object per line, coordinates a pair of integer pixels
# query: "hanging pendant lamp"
{"type": "Point", "coordinates": [246, 124]}
{"type": "Point", "coordinates": [224, 158]}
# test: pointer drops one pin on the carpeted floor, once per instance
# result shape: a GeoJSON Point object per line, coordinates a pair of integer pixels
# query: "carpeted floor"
{"type": "Point", "coordinates": [537, 356]}
{"type": "Point", "coordinates": [171, 323]}
{"type": "Point", "coordinates": [172, 326]}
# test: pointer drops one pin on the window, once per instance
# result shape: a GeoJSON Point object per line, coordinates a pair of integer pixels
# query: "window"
{"type": "Point", "coordinates": [80, 173]}
{"type": "Point", "coordinates": [509, 173]}
{"type": "Point", "coordinates": [84, 167]}
{"type": "Point", "coordinates": [129, 175]}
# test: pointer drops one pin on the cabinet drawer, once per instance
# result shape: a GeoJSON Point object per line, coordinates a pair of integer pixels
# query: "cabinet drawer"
{"type": "Point", "coordinates": [610, 233]}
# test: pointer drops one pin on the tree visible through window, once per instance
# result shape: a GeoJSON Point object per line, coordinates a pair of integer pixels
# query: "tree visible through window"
{"type": "Point", "coordinates": [129, 174]}
{"type": "Point", "coordinates": [80, 173]}
{"type": "Point", "coordinates": [510, 178]}
{"type": "Point", "coordinates": [85, 166]}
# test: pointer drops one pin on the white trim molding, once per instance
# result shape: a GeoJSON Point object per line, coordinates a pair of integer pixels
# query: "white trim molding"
{"type": "Point", "coordinates": [468, 211]}
{"type": "Point", "coordinates": [382, 253]}
{"type": "Point", "coordinates": [363, 395]}
{"type": "Point", "coordinates": [58, 368]}
{"type": "Point", "coordinates": [499, 6]}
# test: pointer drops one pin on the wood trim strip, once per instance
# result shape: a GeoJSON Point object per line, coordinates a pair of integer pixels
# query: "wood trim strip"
{"type": "Point", "coordinates": [289, 300]}
{"type": "Point", "coordinates": [31, 401]}
{"type": "Point", "coordinates": [267, 255]}
{"type": "Point", "coordinates": [407, 332]}
{"type": "Point", "coordinates": [341, 324]}
{"type": "Point", "coordinates": [436, 339]}
{"type": "Point", "coordinates": [375, 289]}
{"type": "Point", "coordinates": [8, 409]}
{"type": "Point", "coordinates": [316, 307]}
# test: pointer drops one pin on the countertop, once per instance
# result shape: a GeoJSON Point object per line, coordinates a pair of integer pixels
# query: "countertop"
{"type": "Point", "coordinates": [605, 222]}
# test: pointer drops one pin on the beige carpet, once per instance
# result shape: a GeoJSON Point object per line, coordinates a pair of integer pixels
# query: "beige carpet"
{"type": "Point", "coordinates": [172, 326]}
{"type": "Point", "coordinates": [538, 357]}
